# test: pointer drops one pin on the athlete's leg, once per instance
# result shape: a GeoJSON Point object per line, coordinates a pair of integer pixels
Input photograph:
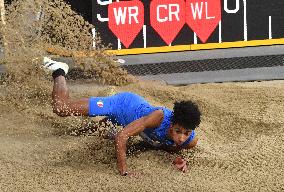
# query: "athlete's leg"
{"type": "Point", "coordinates": [63, 105]}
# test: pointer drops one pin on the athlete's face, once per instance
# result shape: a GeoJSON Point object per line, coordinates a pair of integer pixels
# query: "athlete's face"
{"type": "Point", "coordinates": [179, 134]}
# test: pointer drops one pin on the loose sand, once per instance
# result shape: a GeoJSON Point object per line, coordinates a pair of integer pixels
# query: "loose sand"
{"type": "Point", "coordinates": [241, 146]}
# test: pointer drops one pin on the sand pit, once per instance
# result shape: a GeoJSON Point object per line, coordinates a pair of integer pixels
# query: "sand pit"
{"type": "Point", "coordinates": [241, 135]}
{"type": "Point", "coordinates": [240, 149]}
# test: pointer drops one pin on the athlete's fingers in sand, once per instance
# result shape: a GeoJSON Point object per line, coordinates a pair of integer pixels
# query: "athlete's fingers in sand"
{"type": "Point", "coordinates": [180, 166]}
{"type": "Point", "coordinates": [184, 169]}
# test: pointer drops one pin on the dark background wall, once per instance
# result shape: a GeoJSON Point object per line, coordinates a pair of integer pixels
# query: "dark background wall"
{"type": "Point", "coordinates": [258, 12]}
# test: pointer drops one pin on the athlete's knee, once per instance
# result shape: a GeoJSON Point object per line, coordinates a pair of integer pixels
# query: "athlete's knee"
{"type": "Point", "coordinates": [61, 108]}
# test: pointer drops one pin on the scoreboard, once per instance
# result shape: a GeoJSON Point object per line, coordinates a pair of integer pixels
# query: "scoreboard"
{"type": "Point", "coordinates": [143, 26]}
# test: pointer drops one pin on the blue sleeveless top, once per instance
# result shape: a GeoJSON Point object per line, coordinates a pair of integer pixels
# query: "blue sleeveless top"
{"type": "Point", "coordinates": [158, 134]}
{"type": "Point", "coordinates": [128, 107]}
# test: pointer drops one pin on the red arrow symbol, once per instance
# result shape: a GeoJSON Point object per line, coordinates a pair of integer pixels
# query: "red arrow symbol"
{"type": "Point", "coordinates": [126, 19]}
{"type": "Point", "coordinates": [203, 16]}
{"type": "Point", "coordinates": [167, 18]}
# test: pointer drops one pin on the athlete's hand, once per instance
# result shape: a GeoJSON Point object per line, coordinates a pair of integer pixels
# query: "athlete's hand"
{"type": "Point", "coordinates": [180, 164]}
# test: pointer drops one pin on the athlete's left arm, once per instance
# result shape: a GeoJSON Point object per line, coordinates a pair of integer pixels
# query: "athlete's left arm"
{"type": "Point", "coordinates": [192, 143]}
{"type": "Point", "coordinates": [179, 162]}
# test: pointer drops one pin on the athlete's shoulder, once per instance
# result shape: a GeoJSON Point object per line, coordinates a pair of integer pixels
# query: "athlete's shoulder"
{"type": "Point", "coordinates": [154, 119]}
{"type": "Point", "coordinates": [166, 111]}
{"type": "Point", "coordinates": [159, 113]}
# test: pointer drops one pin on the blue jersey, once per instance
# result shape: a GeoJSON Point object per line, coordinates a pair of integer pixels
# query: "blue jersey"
{"type": "Point", "coordinates": [124, 108]}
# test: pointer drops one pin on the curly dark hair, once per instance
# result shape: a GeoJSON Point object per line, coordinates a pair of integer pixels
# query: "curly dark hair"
{"type": "Point", "coordinates": [186, 114]}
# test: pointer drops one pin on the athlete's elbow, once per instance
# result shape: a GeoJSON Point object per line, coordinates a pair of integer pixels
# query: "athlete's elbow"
{"type": "Point", "coordinates": [121, 137]}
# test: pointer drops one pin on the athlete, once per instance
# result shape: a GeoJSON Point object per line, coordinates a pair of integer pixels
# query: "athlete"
{"type": "Point", "coordinates": [158, 126]}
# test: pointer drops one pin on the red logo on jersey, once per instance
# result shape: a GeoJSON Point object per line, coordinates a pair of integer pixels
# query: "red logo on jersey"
{"type": "Point", "coordinates": [100, 104]}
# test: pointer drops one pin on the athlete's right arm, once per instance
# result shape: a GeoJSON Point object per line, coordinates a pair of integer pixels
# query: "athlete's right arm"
{"type": "Point", "coordinates": [152, 120]}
